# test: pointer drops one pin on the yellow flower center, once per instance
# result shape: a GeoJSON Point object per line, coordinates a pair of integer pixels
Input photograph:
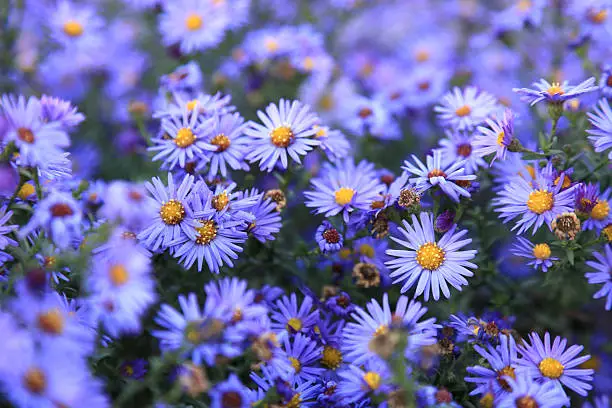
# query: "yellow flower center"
{"type": "Point", "coordinates": [191, 105]}
{"type": "Point", "coordinates": [309, 63]}
{"type": "Point", "coordinates": [282, 136]}
{"type": "Point", "coordinates": [25, 135]}
{"type": "Point", "coordinates": [541, 251]}
{"type": "Point", "coordinates": [422, 55]}
{"type": "Point", "coordinates": [332, 357]}
{"type": "Point", "coordinates": [345, 253]}
{"type": "Point", "coordinates": [382, 329]}
{"type": "Point", "coordinates": [295, 363]}
{"type": "Point", "coordinates": [294, 324]}
{"type": "Point", "coordinates": [430, 256]}
{"type": "Point", "coordinates": [35, 381]}
{"type": "Point", "coordinates": [540, 201]}
{"type": "Point", "coordinates": [526, 402]}
{"type": "Point", "coordinates": [344, 195]}
{"type": "Point", "coordinates": [436, 173]}
{"type": "Point", "coordinates": [551, 368]}
{"type": "Point", "coordinates": [73, 28]}
{"type": "Point", "coordinates": [524, 5]}
{"type": "Point", "coordinates": [555, 89]}
{"type": "Point", "coordinates": [193, 22]}
{"type": "Point", "coordinates": [598, 17]}
{"type": "Point", "coordinates": [505, 372]}
{"type": "Point", "coordinates": [601, 210]}
{"type": "Point", "coordinates": [327, 102]}
{"type": "Point", "coordinates": [500, 138]}
{"type": "Point", "coordinates": [184, 138]}
{"type": "Point", "coordinates": [463, 111]}
{"type": "Point", "coordinates": [567, 182]}
{"type": "Point", "coordinates": [221, 141]}
{"type": "Point", "coordinates": [607, 231]}
{"type": "Point", "coordinates": [366, 250]}
{"type": "Point", "coordinates": [51, 322]}
{"type": "Point", "coordinates": [172, 212]}
{"type": "Point", "coordinates": [49, 262]}
{"type": "Point", "coordinates": [271, 44]}
{"type": "Point", "coordinates": [206, 233]}
{"type": "Point", "coordinates": [372, 379]}
{"type": "Point", "coordinates": [118, 275]}
{"type": "Point", "coordinates": [220, 201]}
{"type": "Point", "coordinates": [26, 191]}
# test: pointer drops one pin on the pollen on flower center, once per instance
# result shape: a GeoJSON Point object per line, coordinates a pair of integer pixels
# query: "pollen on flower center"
{"type": "Point", "coordinates": [524, 5]}
{"type": "Point", "coordinates": [49, 262]}
{"type": "Point", "coordinates": [344, 195]}
{"type": "Point", "coordinates": [372, 379]}
{"type": "Point", "coordinates": [436, 173]}
{"type": "Point", "coordinates": [526, 402]}
{"type": "Point", "coordinates": [26, 191]}
{"type": "Point", "coordinates": [220, 201]}
{"type": "Point", "coordinates": [505, 372]}
{"type": "Point", "coordinates": [366, 250]}
{"type": "Point", "coordinates": [25, 135]}
{"type": "Point", "coordinates": [172, 212]}
{"type": "Point", "coordinates": [601, 210]}
{"type": "Point", "coordinates": [541, 251]}
{"type": "Point", "coordinates": [331, 236]}
{"type": "Point", "coordinates": [73, 28]}
{"type": "Point", "coordinates": [555, 89]}
{"type": "Point", "coordinates": [191, 105]}
{"type": "Point", "coordinates": [295, 363]}
{"type": "Point", "coordinates": [61, 210]}
{"type": "Point", "coordinates": [463, 111]}
{"type": "Point", "coordinates": [221, 141]}
{"type": "Point", "coordinates": [184, 138]}
{"type": "Point", "coordinates": [500, 138]}
{"type": "Point", "coordinates": [118, 275]}
{"type": "Point", "coordinates": [51, 322]}
{"type": "Point", "coordinates": [430, 256]}
{"type": "Point", "coordinates": [207, 232]}
{"type": "Point", "coordinates": [551, 368]}
{"type": "Point", "coordinates": [422, 55]}
{"type": "Point", "coordinates": [282, 136]}
{"type": "Point", "coordinates": [294, 324]}
{"type": "Point", "coordinates": [540, 201]}
{"type": "Point", "coordinates": [332, 357]}
{"type": "Point", "coordinates": [382, 329]}
{"type": "Point", "coordinates": [35, 380]}
{"type": "Point", "coordinates": [193, 22]}
{"type": "Point", "coordinates": [598, 17]}
{"type": "Point", "coordinates": [464, 149]}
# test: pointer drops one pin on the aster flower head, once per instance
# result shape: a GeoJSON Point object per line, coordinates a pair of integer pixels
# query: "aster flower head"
{"type": "Point", "coordinates": [356, 384]}
{"type": "Point", "coordinates": [6, 229]}
{"type": "Point", "coordinates": [344, 188]}
{"type": "Point", "coordinates": [536, 201]}
{"type": "Point", "coordinates": [378, 319]}
{"type": "Point", "coordinates": [465, 109]}
{"type": "Point", "coordinates": [605, 81]}
{"type": "Point", "coordinates": [287, 130]}
{"type": "Point", "coordinates": [304, 354]}
{"type": "Point", "coordinates": [58, 110]}
{"type": "Point", "coordinates": [291, 318]}
{"type": "Point", "coordinates": [230, 392]}
{"type": "Point", "coordinates": [555, 93]}
{"type": "Point", "coordinates": [460, 146]}
{"type": "Point", "coordinates": [526, 392]}
{"type": "Point", "coordinates": [334, 143]}
{"type": "Point", "coordinates": [503, 362]}
{"type": "Point", "coordinates": [601, 133]}
{"type": "Point", "coordinates": [340, 304]}
{"type": "Point", "coordinates": [266, 220]}
{"type": "Point", "coordinates": [126, 204]}
{"type": "Point", "coordinates": [451, 178]}
{"type": "Point", "coordinates": [599, 215]}
{"type": "Point", "coordinates": [495, 137]}
{"type": "Point", "coordinates": [553, 363]}
{"type": "Point", "coordinates": [329, 238]}
{"type": "Point", "coordinates": [76, 26]}
{"type": "Point", "coordinates": [586, 197]}
{"type": "Point", "coordinates": [600, 275]}
{"type": "Point", "coordinates": [540, 255]}
{"type": "Point", "coordinates": [185, 78]}
{"type": "Point", "coordinates": [430, 263]}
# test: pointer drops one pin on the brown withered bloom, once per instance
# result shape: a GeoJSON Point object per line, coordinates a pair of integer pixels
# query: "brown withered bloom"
{"type": "Point", "coordinates": [366, 275]}
{"type": "Point", "coordinates": [409, 197]}
{"type": "Point", "coordinates": [329, 291]}
{"type": "Point", "coordinates": [278, 197]}
{"type": "Point", "coordinates": [380, 226]}
{"type": "Point", "coordinates": [566, 226]}
{"type": "Point", "coordinates": [385, 343]}
{"type": "Point", "coordinates": [193, 380]}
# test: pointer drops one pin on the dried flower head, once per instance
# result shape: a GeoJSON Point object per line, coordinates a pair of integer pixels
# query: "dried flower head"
{"type": "Point", "coordinates": [278, 197]}
{"type": "Point", "coordinates": [366, 275]}
{"type": "Point", "coordinates": [566, 226]}
{"type": "Point", "coordinates": [409, 197]}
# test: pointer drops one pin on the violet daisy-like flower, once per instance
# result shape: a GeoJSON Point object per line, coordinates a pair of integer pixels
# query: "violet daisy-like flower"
{"type": "Point", "coordinates": [605, 81]}
{"type": "Point", "coordinates": [599, 215]}
{"type": "Point", "coordinates": [451, 178]}
{"type": "Point", "coordinates": [182, 140]}
{"type": "Point", "coordinates": [526, 392]}
{"type": "Point", "coordinates": [340, 305]}
{"type": "Point", "coordinates": [601, 133]}
{"type": "Point", "coordinates": [170, 220]}
{"type": "Point", "coordinates": [60, 216]}
{"type": "Point", "coordinates": [502, 360]}
{"type": "Point", "coordinates": [230, 393]}
{"type": "Point", "coordinates": [329, 238]}
{"type": "Point", "coordinates": [429, 263]}
{"type": "Point", "coordinates": [465, 109]}
{"type": "Point", "coordinates": [458, 146]}
{"type": "Point", "coordinates": [333, 142]}
{"type": "Point", "coordinates": [304, 355]}
{"type": "Point", "coordinates": [554, 363]}
{"type": "Point", "coordinates": [287, 130]}
{"type": "Point", "coordinates": [344, 188]}
{"type": "Point", "coordinates": [76, 25]}
{"type": "Point", "coordinates": [536, 202]}
{"type": "Point", "coordinates": [601, 401]}
{"type": "Point", "coordinates": [555, 93]}
{"type": "Point", "coordinates": [378, 319]}
{"type": "Point", "coordinates": [601, 275]}
{"type": "Point", "coordinates": [495, 137]}
{"type": "Point", "coordinates": [39, 142]}
{"type": "Point", "coordinates": [5, 229]}
{"type": "Point", "coordinates": [540, 254]}
{"type": "Point", "coordinates": [266, 220]}
{"type": "Point", "coordinates": [226, 134]}
{"type": "Point", "coordinates": [59, 110]}
{"type": "Point", "coordinates": [288, 316]}
{"type": "Point", "coordinates": [586, 198]}
{"type": "Point", "coordinates": [356, 384]}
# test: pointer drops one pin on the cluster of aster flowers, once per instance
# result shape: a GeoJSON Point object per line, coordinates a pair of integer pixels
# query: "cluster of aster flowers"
{"type": "Point", "coordinates": [332, 203]}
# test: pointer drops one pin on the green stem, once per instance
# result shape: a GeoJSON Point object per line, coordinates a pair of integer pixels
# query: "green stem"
{"type": "Point", "coordinates": [39, 192]}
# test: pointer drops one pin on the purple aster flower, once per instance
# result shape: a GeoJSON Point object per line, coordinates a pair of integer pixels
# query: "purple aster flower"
{"type": "Point", "coordinates": [234, 205]}
{"type": "Point", "coordinates": [444, 222]}
{"type": "Point", "coordinates": [586, 197]}
{"type": "Point", "coordinates": [287, 130]}
{"type": "Point", "coordinates": [207, 106]}
{"type": "Point", "coordinates": [5, 229]}
{"type": "Point", "coordinates": [495, 137]}
{"type": "Point", "coordinates": [601, 401]}
{"type": "Point", "coordinates": [555, 93]}
{"type": "Point", "coordinates": [60, 216]}
{"type": "Point", "coordinates": [268, 294]}
{"type": "Point", "coordinates": [554, 364]}
{"type": "Point", "coordinates": [459, 146]}
{"type": "Point", "coordinates": [9, 179]}
{"type": "Point", "coordinates": [599, 216]}
{"type": "Point", "coordinates": [601, 133]}
{"type": "Point", "coordinates": [539, 254]}
{"type": "Point", "coordinates": [230, 393]}
{"type": "Point", "coordinates": [365, 116]}
{"type": "Point", "coordinates": [519, 14]}
{"type": "Point", "coordinates": [605, 81]}
{"type": "Point", "coordinates": [432, 397]}
{"type": "Point", "coordinates": [127, 204]}
{"type": "Point", "coordinates": [536, 201]}
{"type": "Point", "coordinates": [356, 384]}
{"type": "Point", "coordinates": [59, 110]}
{"type": "Point", "coordinates": [170, 203]}
{"type": "Point", "coordinates": [303, 394]}
{"type": "Point", "coordinates": [529, 393]}
{"type": "Point", "coordinates": [134, 369]}
{"type": "Point", "coordinates": [39, 142]}
{"type": "Point", "coordinates": [379, 319]}
{"type": "Point", "coordinates": [185, 78]}
{"type": "Point", "coordinates": [47, 258]}
{"type": "Point", "coordinates": [267, 221]}
{"type": "Point", "coordinates": [333, 142]}
{"type": "Point", "coordinates": [304, 355]}
{"type": "Point", "coordinates": [344, 188]}
{"type": "Point", "coordinates": [288, 316]}
{"type": "Point", "coordinates": [502, 361]}
{"type": "Point", "coordinates": [451, 178]}
{"type": "Point", "coordinates": [465, 109]}
{"type": "Point", "coordinates": [601, 275]}
{"type": "Point", "coordinates": [340, 305]}
{"type": "Point", "coordinates": [429, 263]}
{"type": "Point", "coordinates": [76, 26]}
{"type": "Point", "coordinates": [329, 238]}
